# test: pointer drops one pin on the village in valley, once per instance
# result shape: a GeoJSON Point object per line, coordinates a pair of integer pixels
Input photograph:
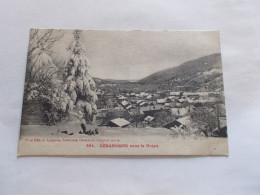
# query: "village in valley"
{"type": "Point", "coordinates": [185, 113]}
{"type": "Point", "coordinates": [186, 99]}
{"type": "Point", "coordinates": [123, 93]}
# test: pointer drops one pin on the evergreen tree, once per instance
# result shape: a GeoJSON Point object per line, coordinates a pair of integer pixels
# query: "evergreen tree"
{"type": "Point", "coordinates": [79, 84]}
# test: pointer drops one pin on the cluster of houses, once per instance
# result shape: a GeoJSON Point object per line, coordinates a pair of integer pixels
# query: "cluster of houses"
{"type": "Point", "coordinates": [180, 105]}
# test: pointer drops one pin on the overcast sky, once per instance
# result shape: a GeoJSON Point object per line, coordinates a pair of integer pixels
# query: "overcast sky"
{"type": "Point", "coordinates": [132, 55]}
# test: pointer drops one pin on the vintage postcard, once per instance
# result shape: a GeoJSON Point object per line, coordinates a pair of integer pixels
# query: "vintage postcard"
{"type": "Point", "coordinates": [98, 92]}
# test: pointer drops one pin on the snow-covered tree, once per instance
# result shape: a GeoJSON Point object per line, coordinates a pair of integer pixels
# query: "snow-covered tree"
{"type": "Point", "coordinates": [79, 84]}
{"type": "Point", "coordinates": [44, 39]}
{"type": "Point", "coordinates": [40, 74]}
{"type": "Point", "coordinates": [43, 83]}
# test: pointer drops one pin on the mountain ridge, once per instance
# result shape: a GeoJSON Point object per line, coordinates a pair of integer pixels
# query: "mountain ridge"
{"type": "Point", "coordinates": [204, 62]}
{"type": "Point", "coordinates": [201, 73]}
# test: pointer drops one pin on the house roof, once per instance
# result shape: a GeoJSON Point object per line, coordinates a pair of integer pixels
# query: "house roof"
{"type": "Point", "coordinates": [174, 93]}
{"type": "Point", "coordinates": [143, 103]}
{"type": "Point", "coordinates": [209, 100]}
{"type": "Point", "coordinates": [124, 103]}
{"type": "Point", "coordinates": [128, 107]}
{"type": "Point", "coordinates": [149, 96]}
{"type": "Point", "coordinates": [139, 101]}
{"type": "Point", "coordinates": [120, 122]}
{"type": "Point", "coordinates": [184, 120]}
{"type": "Point", "coordinates": [160, 101]}
{"type": "Point", "coordinates": [181, 100]}
{"type": "Point", "coordinates": [143, 94]}
{"type": "Point", "coordinates": [182, 123]}
{"type": "Point", "coordinates": [149, 118]}
{"type": "Point", "coordinates": [122, 98]}
{"type": "Point", "coordinates": [174, 124]}
{"type": "Point", "coordinates": [195, 93]}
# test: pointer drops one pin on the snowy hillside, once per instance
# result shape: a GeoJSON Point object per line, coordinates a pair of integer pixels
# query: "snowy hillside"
{"type": "Point", "coordinates": [203, 74]}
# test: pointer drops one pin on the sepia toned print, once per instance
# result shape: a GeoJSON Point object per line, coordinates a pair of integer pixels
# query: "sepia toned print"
{"type": "Point", "coordinates": [93, 92]}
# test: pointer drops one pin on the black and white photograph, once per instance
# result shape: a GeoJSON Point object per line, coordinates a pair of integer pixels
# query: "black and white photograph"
{"type": "Point", "coordinates": [112, 88]}
{"type": "Point", "coordinates": [111, 97]}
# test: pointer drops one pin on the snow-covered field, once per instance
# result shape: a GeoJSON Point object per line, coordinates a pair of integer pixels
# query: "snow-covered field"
{"type": "Point", "coordinates": [49, 140]}
{"type": "Point", "coordinates": [75, 128]}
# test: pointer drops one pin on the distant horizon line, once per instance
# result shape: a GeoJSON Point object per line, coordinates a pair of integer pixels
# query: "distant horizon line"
{"type": "Point", "coordinates": [131, 80]}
